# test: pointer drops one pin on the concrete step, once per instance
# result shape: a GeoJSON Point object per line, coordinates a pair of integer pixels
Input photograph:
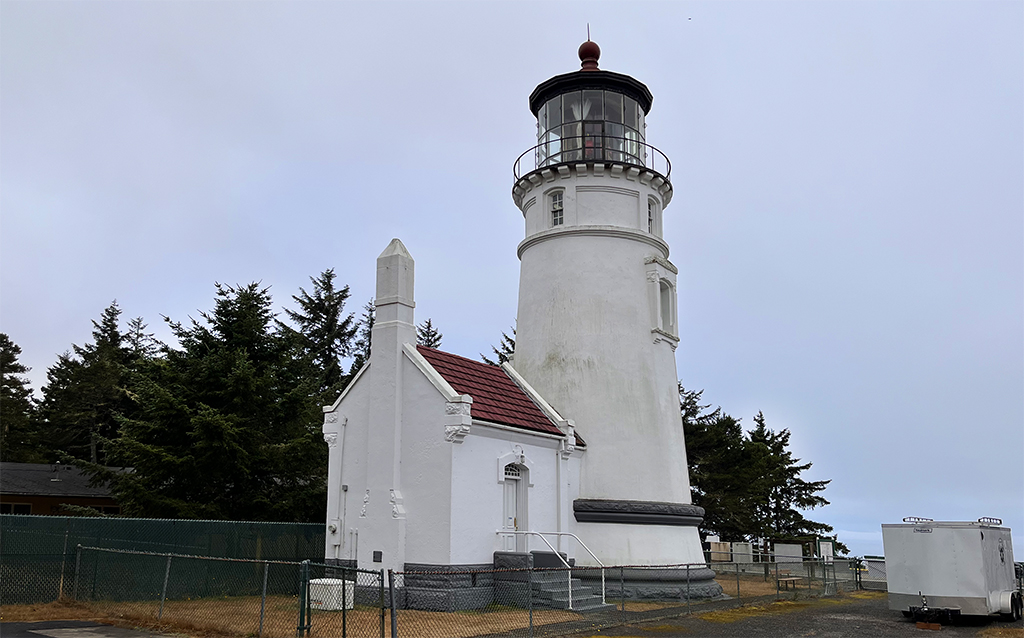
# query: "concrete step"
{"type": "Point", "coordinates": [577, 592]}
{"type": "Point", "coordinates": [587, 605]}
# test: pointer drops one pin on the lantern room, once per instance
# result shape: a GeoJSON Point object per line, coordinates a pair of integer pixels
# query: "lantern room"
{"type": "Point", "coordinates": [591, 115]}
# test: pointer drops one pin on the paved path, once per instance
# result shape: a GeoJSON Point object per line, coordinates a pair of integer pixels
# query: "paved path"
{"type": "Point", "coordinates": [67, 629]}
{"type": "Point", "coordinates": [849, 616]}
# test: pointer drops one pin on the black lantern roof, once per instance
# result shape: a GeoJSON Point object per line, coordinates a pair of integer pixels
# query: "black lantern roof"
{"type": "Point", "coordinates": [597, 79]}
{"type": "Point", "coordinates": [590, 77]}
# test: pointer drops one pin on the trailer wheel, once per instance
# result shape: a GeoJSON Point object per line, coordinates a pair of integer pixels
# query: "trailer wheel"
{"type": "Point", "coordinates": [1018, 607]}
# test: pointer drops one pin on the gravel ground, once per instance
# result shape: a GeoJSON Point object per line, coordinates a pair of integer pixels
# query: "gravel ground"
{"type": "Point", "coordinates": [851, 615]}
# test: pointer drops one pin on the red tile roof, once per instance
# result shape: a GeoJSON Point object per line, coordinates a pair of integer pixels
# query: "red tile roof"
{"type": "Point", "coordinates": [496, 397]}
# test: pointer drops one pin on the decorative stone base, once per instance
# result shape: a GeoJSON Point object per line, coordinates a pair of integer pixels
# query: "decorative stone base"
{"type": "Point", "coordinates": [655, 584]}
{"type": "Point", "coordinates": [446, 587]}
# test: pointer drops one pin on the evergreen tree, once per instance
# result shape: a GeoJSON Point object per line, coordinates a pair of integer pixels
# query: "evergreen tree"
{"type": "Point", "coordinates": [324, 331]}
{"type": "Point", "coordinates": [777, 489]}
{"type": "Point", "coordinates": [718, 471]}
{"type": "Point", "coordinates": [503, 351]}
{"type": "Point", "coordinates": [140, 345]}
{"type": "Point", "coordinates": [427, 335]}
{"type": "Point", "coordinates": [748, 483]}
{"type": "Point", "coordinates": [363, 339]}
{"type": "Point", "coordinates": [19, 441]}
{"type": "Point", "coordinates": [85, 392]}
{"type": "Point", "coordinates": [227, 425]}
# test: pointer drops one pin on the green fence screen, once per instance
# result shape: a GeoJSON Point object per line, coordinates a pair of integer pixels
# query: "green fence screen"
{"type": "Point", "coordinates": [37, 553]}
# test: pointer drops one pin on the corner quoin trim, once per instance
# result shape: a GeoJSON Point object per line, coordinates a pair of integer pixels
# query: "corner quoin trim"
{"type": "Point", "coordinates": [594, 510]}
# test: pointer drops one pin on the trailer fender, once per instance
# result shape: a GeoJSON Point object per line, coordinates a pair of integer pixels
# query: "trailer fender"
{"type": "Point", "coordinates": [1006, 602]}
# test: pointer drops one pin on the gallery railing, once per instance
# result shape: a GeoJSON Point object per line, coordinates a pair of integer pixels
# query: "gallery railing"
{"type": "Point", "coordinates": [590, 149]}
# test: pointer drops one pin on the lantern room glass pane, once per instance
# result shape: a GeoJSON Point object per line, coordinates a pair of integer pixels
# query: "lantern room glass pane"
{"type": "Point", "coordinates": [629, 110]}
{"type": "Point", "coordinates": [554, 113]}
{"type": "Point", "coordinates": [593, 105]}
{"type": "Point", "coordinates": [571, 139]}
{"type": "Point", "coordinates": [613, 107]}
{"type": "Point", "coordinates": [571, 111]}
{"type": "Point", "coordinates": [614, 142]}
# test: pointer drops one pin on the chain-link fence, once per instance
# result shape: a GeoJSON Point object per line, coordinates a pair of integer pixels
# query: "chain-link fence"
{"type": "Point", "coordinates": [279, 599]}
{"type": "Point", "coordinates": [35, 551]}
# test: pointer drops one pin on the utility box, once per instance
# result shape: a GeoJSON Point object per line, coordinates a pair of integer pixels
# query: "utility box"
{"type": "Point", "coordinates": [940, 570]}
{"type": "Point", "coordinates": [331, 594]}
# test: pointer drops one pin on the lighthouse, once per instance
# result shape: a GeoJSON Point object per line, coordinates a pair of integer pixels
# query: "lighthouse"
{"type": "Point", "coordinates": [572, 454]}
{"type": "Point", "coordinates": [597, 324]}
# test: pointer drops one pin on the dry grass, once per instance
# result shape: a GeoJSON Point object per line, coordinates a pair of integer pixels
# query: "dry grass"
{"type": "Point", "coordinates": [47, 611]}
{"type": "Point", "coordinates": [239, 617]}
{"type": "Point", "coordinates": [1002, 632]}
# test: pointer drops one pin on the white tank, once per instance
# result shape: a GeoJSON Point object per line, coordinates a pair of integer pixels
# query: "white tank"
{"type": "Point", "coordinates": [597, 325]}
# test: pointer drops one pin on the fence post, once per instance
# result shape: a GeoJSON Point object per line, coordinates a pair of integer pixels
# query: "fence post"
{"type": "Point", "coordinates": [302, 628]}
{"type": "Point", "coordinates": [263, 599]}
{"type": "Point", "coordinates": [776, 580]}
{"type": "Point", "coordinates": [622, 590]}
{"type": "Point", "coordinates": [163, 594]}
{"type": "Point", "coordinates": [63, 561]}
{"type": "Point", "coordinates": [738, 582]}
{"type": "Point", "coordinates": [344, 600]}
{"type": "Point", "coordinates": [380, 577]}
{"type": "Point", "coordinates": [394, 614]}
{"type": "Point", "coordinates": [687, 589]}
{"type": "Point", "coordinates": [78, 568]}
{"type": "Point", "coordinates": [529, 595]}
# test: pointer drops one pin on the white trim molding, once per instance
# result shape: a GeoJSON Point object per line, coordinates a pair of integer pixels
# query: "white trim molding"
{"type": "Point", "coordinates": [517, 456]}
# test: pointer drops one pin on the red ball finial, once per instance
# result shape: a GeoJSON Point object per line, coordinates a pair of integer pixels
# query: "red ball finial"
{"type": "Point", "coordinates": [589, 54]}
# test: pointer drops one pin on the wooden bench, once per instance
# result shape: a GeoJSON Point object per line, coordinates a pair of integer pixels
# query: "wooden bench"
{"type": "Point", "coordinates": [794, 579]}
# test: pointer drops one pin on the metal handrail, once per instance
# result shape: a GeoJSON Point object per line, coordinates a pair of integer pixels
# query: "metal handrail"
{"type": "Point", "coordinates": [564, 562]}
{"type": "Point", "coordinates": [651, 159]}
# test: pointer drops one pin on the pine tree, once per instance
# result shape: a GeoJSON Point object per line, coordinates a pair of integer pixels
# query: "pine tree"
{"type": "Point", "coordinates": [748, 483]}
{"type": "Point", "coordinates": [19, 440]}
{"type": "Point", "coordinates": [427, 335]}
{"type": "Point", "coordinates": [225, 426]}
{"type": "Point", "coordinates": [323, 330]}
{"type": "Point", "coordinates": [504, 351]}
{"type": "Point", "coordinates": [716, 459]}
{"type": "Point", "coordinates": [777, 489]}
{"type": "Point", "coordinates": [85, 392]}
{"type": "Point", "coordinates": [363, 340]}
{"type": "Point", "coordinates": [140, 345]}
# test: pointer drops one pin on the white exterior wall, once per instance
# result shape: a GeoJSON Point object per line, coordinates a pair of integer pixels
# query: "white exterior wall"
{"type": "Point", "coordinates": [477, 491]}
{"type": "Point", "coordinates": [596, 338]}
{"type": "Point", "coordinates": [347, 421]}
{"type": "Point", "coordinates": [587, 340]}
{"type": "Point", "coordinates": [426, 471]}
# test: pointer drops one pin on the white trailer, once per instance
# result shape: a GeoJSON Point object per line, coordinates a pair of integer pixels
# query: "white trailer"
{"type": "Point", "coordinates": [937, 569]}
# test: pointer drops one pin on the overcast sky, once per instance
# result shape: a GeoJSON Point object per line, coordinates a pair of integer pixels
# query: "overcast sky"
{"type": "Point", "coordinates": [848, 218]}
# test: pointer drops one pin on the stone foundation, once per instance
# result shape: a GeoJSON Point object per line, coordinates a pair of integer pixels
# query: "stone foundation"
{"type": "Point", "coordinates": [446, 587]}
{"type": "Point", "coordinates": [655, 584]}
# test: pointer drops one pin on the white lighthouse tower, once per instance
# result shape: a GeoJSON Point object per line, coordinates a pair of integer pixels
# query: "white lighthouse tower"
{"type": "Point", "coordinates": [597, 325]}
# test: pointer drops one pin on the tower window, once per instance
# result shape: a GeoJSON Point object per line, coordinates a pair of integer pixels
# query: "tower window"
{"type": "Point", "coordinates": [650, 216]}
{"type": "Point", "coordinates": [665, 292]}
{"type": "Point", "coordinates": [557, 216]}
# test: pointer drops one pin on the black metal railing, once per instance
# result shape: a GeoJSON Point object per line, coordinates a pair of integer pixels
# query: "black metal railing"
{"type": "Point", "coordinates": [592, 148]}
